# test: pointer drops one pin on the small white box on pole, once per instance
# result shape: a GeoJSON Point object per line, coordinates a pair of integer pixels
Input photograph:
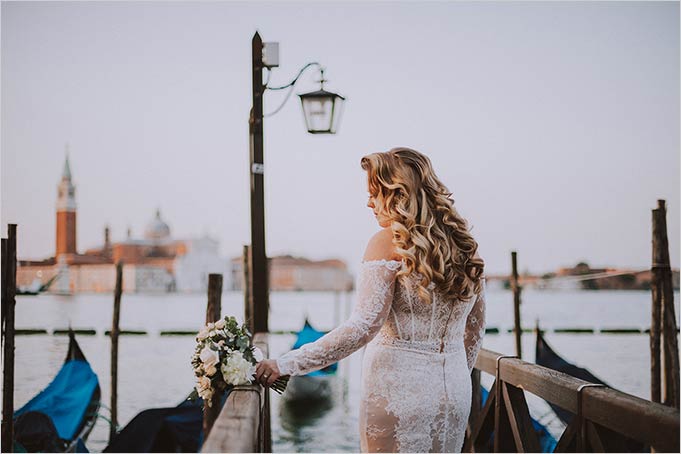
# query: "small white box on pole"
{"type": "Point", "coordinates": [270, 55]}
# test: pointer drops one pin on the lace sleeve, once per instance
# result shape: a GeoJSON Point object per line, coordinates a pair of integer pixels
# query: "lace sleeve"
{"type": "Point", "coordinates": [475, 327]}
{"type": "Point", "coordinates": [375, 288]}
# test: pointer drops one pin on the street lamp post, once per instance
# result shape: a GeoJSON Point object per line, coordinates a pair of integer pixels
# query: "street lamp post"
{"type": "Point", "coordinates": [322, 110]}
{"type": "Point", "coordinates": [259, 280]}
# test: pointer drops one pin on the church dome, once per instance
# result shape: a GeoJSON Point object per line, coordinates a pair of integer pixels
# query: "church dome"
{"type": "Point", "coordinates": [157, 229]}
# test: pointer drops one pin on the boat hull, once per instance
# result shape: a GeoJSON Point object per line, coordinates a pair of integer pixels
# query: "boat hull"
{"type": "Point", "coordinates": [302, 388]}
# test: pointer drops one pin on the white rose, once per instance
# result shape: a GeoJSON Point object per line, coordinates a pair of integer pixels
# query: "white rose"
{"type": "Point", "coordinates": [257, 354]}
{"type": "Point", "coordinates": [206, 395]}
{"type": "Point", "coordinates": [220, 324]}
{"type": "Point", "coordinates": [212, 333]}
{"type": "Point", "coordinates": [203, 334]}
{"type": "Point", "coordinates": [209, 357]}
{"type": "Point", "coordinates": [237, 370]}
{"type": "Point", "coordinates": [210, 370]}
{"type": "Point", "coordinates": [210, 326]}
{"type": "Point", "coordinates": [202, 383]}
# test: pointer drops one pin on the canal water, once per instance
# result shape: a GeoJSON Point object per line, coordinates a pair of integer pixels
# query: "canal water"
{"type": "Point", "coordinates": [155, 371]}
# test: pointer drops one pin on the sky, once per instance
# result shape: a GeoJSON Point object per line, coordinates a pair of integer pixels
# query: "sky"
{"type": "Point", "coordinates": [554, 124]}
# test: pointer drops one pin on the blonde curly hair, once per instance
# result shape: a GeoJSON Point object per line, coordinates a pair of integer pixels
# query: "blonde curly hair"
{"type": "Point", "coordinates": [428, 232]}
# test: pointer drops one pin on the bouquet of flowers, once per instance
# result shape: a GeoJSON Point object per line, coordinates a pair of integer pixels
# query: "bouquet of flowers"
{"type": "Point", "coordinates": [225, 357]}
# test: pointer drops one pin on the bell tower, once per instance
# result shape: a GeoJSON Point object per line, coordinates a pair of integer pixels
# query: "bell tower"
{"type": "Point", "coordinates": [66, 212]}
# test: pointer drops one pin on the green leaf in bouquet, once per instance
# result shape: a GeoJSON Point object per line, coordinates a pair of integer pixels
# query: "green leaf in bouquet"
{"type": "Point", "coordinates": [242, 343]}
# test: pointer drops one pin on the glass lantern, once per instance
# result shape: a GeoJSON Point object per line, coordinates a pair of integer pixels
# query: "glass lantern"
{"type": "Point", "coordinates": [322, 110]}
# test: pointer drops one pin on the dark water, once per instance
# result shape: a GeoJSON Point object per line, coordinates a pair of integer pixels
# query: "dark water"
{"type": "Point", "coordinates": [154, 371]}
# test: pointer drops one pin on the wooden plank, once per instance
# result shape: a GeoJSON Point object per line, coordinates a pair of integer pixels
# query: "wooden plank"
{"type": "Point", "coordinates": [552, 386]}
{"type": "Point", "coordinates": [568, 441]}
{"type": "Point", "coordinates": [503, 437]}
{"type": "Point", "coordinates": [476, 396]}
{"type": "Point", "coordinates": [239, 426]}
{"type": "Point", "coordinates": [639, 419]}
{"type": "Point", "coordinates": [482, 427]}
{"type": "Point", "coordinates": [611, 440]}
{"type": "Point", "coordinates": [592, 438]}
{"type": "Point", "coordinates": [525, 437]}
{"type": "Point", "coordinates": [236, 428]}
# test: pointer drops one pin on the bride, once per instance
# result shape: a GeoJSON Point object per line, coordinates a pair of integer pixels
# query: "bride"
{"type": "Point", "coordinates": [420, 311]}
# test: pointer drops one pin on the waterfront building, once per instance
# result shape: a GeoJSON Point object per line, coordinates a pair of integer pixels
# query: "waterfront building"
{"type": "Point", "coordinates": [288, 273]}
{"type": "Point", "coordinates": [157, 262]}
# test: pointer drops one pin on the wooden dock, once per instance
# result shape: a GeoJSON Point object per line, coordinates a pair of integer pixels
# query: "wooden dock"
{"type": "Point", "coordinates": [243, 422]}
{"type": "Point", "coordinates": [605, 417]}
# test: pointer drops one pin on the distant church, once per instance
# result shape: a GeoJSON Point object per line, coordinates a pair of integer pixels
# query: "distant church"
{"type": "Point", "coordinates": [155, 263]}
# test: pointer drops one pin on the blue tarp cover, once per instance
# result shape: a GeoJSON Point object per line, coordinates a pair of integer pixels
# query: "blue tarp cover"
{"type": "Point", "coordinates": [66, 399]}
{"type": "Point", "coordinates": [305, 336]}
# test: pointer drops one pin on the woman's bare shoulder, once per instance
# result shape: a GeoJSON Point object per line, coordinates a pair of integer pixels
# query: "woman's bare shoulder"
{"type": "Point", "coordinates": [381, 246]}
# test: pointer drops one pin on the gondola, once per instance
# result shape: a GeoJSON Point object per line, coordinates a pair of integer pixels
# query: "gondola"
{"type": "Point", "coordinates": [316, 385]}
{"type": "Point", "coordinates": [170, 429]}
{"type": "Point", "coordinates": [61, 416]}
{"type": "Point", "coordinates": [36, 287]}
{"type": "Point", "coordinates": [547, 357]}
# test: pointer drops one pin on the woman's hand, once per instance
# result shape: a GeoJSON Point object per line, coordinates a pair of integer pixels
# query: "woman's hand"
{"type": "Point", "coordinates": [266, 372]}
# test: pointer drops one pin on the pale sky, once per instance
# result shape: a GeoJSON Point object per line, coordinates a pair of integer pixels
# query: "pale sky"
{"type": "Point", "coordinates": [555, 125]}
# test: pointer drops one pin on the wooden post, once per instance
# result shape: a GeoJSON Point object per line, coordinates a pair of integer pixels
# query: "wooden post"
{"type": "Point", "coordinates": [516, 303]}
{"type": "Point", "coordinates": [114, 350]}
{"type": "Point", "coordinates": [4, 285]}
{"type": "Point", "coordinates": [248, 296]}
{"type": "Point", "coordinates": [476, 397]}
{"type": "Point", "coordinates": [259, 276]}
{"type": "Point", "coordinates": [670, 346]}
{"type": "Point", "coordinates": [655, 324]}
{"type": "Point", "coordinates": [213, 312]}
{"type": "Point", "coordinates": [9, 272]}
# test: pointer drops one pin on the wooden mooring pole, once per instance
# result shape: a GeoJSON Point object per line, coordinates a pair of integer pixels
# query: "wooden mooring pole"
{"type": "Point", "coordinates": [4, 286]}
{"type": "Point", "coordinates": [248, 296]}
{"type": "Point", "coordinates": [9, 282]}
{"type": "Point", "coordinates": [113, 428]}
{"type": "Point", "coordinates": [655, 325]}
{"type": "Point", "coordinates": [213, 312]}
{"type": "Point", "coordinates": [516, 303]}
{"type": "Point", "coordinates": [663, 316]}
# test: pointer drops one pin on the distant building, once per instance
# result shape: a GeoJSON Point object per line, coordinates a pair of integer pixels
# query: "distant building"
{"type": "Point", "coordinates": [579, 269]}
{"type": "Point", "coordinates": [154, 263]}
{"type": "Point", "coordinates": [299, 274]}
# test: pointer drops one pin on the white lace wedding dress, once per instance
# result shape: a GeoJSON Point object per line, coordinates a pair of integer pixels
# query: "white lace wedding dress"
{"type": "Point", "coordinates": [416, 384]}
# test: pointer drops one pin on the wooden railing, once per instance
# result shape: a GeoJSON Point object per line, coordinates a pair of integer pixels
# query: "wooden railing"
{"type": "Point", "coordinates": [243, 424]}
{"type": "Point", "coordinates": [605, 419]}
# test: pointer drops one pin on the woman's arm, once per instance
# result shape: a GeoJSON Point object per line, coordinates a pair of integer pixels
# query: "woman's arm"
{"type": "Point", "coordinates": [475, 327]}
{"type": "Point", "coordinates": [375, 288]}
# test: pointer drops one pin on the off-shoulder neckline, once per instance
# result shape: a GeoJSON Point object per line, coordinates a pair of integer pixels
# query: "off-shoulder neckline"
{"type": "Point", "coordinates": [380, 262]}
